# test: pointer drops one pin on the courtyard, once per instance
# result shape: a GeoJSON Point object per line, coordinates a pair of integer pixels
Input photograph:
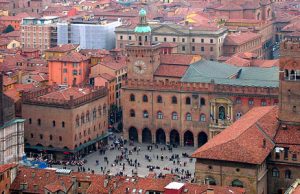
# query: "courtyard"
{"type": "Point", "coordinates": [139, 159]}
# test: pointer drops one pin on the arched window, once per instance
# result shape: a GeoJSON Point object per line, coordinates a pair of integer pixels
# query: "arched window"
{"type": "Point", "coordinates": [132, 113]}
{"type": "Point", "coordinates": [94, 113]}
{"type": "Point", "coordinates": [174, 100]}
{"type": "Point", "coordinates": [159, 99]}
{"type": "Point", "coordinates": [63, 124]}
{"type": "Point", "coordinates": [250, 101]}
{"type": "Point", "coordinates": [202, 117]}
{"type": "Point", "coordinates": [237, 183]}
{"type": "Point", "coordinates": [288, 174]}
{"type": "Point", "coordinates": [104, 109]}
{"type": "Point", "coordinates": [77, 121]}
{"type": "Point", "coordinates": [174, 116]}
{"type": "Point", "coordinates": [238, 100]}
{"type": "Point", "coordinates": [87, 116]}
{"type": "Point", "coordinates": [187, 100]}
{"type": "Point", "coordinates": [145, 114]}
{"type": "Point", "coordinates": [275, 172]}
{"type": "Point", "coordinates": [82, 118]}
{"type": "Point", "coordinates": [286, 74]}
{"type": "Point", "coordinates": [99, 111]}
{"type": "Point", "coordinates": [53, 123]}
{"type": "Point", "coordinates": [145, 98]}
{"type": "Point", "coordinates": [30, 121]}
{"type": "Point", "coordinates": [202, 101]}
{"type": "Point", "coordinates": [263, 102]}
{"type": "Point", "coordinates": [132, 97]}
{"type": "Point", "coordinates": [160, 115]}
{"type": "Point", "coordinates": [188, 116]}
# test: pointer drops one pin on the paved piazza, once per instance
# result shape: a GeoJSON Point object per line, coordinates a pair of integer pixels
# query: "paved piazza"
{"type": "Point", "coordinates": [166, 165]}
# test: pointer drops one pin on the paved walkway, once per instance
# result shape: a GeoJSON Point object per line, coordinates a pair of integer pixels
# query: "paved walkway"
{"type": "Point", "coordinates": [142, 170]}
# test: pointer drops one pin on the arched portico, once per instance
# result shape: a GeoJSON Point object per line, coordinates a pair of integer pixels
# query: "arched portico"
{"type": "Point", "coordinates": [160, 136]}
{"type": "Point", "coordinates": [174, 137]}
{"type": "Point", "coordinates": [133, 134]}
{"type": "Point", "coordinates": [146, 136]}
{"type": "Point", "coordinates": [202, 138]}
{"type": "Point", "coordinates": [188, 138]}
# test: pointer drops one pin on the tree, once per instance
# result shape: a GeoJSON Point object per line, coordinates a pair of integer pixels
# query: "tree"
{"type": "Point", "coordinates": [8, 29]}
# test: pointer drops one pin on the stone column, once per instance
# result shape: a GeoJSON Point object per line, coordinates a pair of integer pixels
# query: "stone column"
{"type": "Point", "coordinates": [231, 112]}
{"type": "Point", "coordinates": [167, 137]}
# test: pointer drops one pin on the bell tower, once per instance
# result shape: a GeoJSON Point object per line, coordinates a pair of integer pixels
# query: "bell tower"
{"type": "Point", "coordinates": [143, 57]}
{"type": "Point", "coordinates": [289, 86]}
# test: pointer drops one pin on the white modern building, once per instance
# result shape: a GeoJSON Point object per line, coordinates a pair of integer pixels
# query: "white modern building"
{"type": "Point", "coordinates": [91, 33]}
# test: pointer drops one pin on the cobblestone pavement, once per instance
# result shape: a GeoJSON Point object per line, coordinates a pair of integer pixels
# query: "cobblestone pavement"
{"type": "Point", "coordinates": [142, 171]}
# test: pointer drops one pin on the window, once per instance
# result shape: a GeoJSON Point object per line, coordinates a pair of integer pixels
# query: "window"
{"type": "Point", "coordinates": [238, 100]}
{"type": "Point", "coordinates": [238, 115]}
{"type": "Point", "coordinates": [50, 137]}
{"type": "Point", "coordinates": [193, 48]}
{"type": "Point", "coordinates": [82, 118]}
{"type": "Point", "coordinates": [237, 183]}
{"type": "Point", "coordinates": [165, 39]}
{"type": "Point", "coordinates": [132, 97]}
{"type": "Point", "coordinates": [65, 70]}
{"type": "Point", "coordinates": [132, 113]}
{"type": "Point", "coordinates": [193, 39]}
{"type": "Point", "coordinates": [53, 123]}
{"type": "Point", "coordinates": [155, 38]}
{"type": "Point", "coordinates": [99, 111]}
{"type": "Point", "coordinates": [188, 116]}
{"type": "Point", "coordinates": [183, 40]}
{"type": "Point", "coordinates": [145, 114]}
{"type": "Point", "coordinates": [294, 157]}
{"type": "Point", "coordinates": [87, 116]}
{"type": "Point", "coordinates": [202, 40]}
{"type": "Point", "coordinates": [188, 100]}
{"type": "Point", "coordinates": [74, 72]}
{"type": "Point", "coordinates": [286, 153]}
{"type": "Point", "coordinates": [31, 135]}
{"type": "Point", "coordinates": [60, 138]}
{"type": "Point", "coordinates": [39, 122]}
{"type": "Point", "coordinates": [202, 101]}
{"type": "Point", "coordinates": [63, 124]}
{"type": "Point", "coordinates": [30, 121]}
{"type": "Point", "coordinates": [211, 48]}
{"type": "Point", "coordinates": [183, 48]}
{"type": "Point", "coordinates": [288, 174]}
{"type": "Point", "coordinates": [104, 109]}
{"type": "Point", "coordinates": [145, 98]}
{"type": "Point", "coordinates": [160, 115]}
{"type": "Point", "coordinates": [94, 113]}
{"type": "Point", "coordinates": [202, 48]}
{"type": "Point", "coordinates": [77, 121]}
{"type": "Point", "coordinates": [174, 39]}
{"type": "Point", "coordinates": [174, 116]}
{"type": "Point", "coordinates": [41, 136]}
{"type": "Point", "coordinates": [250, 102]}
{"type": "Point", "coordinates": [174, 100]}
{"type": "Point", "coordinates": [275, 172]}
{"type": "Point", "coordinates": [211, 40]}
{"type": "Point", "coordinates": [129, 37]}
{"type": "Point", "coordinates": [202, 117]}
{"type": "Point", "coordinates": [121, 37]}
{"type": "Point", "coordinates": [263, 102]}
{"type": "Point", "coordinates": [159, 99]}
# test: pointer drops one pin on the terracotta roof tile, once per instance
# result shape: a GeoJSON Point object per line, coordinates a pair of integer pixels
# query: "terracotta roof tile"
{"type": "Point", "coordinates": [71, 57]}
{"type": "Point", "coordinates": [6, 167]}
{"type": "Point", "coordinates": [178, 59]}
{"type": "Point", "coordinates": [63, 48]}
{"type": "Point", "coordinates": [171, 70]}
{"type": "Point", "coordinates": [247, 134]}
{"type": "Point", "coordinates": [240, 38]}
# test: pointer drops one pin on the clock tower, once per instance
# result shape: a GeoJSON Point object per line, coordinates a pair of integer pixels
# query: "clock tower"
{"type": "Point", "coordinates": [143, 57]}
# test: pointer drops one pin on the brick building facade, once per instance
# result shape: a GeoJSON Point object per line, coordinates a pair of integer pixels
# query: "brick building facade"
{"type": "Point", "coordinates": [264, 142]}
{"type": "Point", "coordinates": [72, 120]}
{"type": "Point", "coordinates": [170, 98]}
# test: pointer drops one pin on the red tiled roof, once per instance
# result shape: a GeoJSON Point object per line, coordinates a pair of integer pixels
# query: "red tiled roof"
{"type": "Point", "coordinates": [291, 135]}
{"type": "Point", "coordinates": [240, 38]}
{"type": "Point", "coordinates": [65, 94]}
{"type": "Point", "coordinates": [171, 70]}
{"type": "Point", "coordinates": [6, 167]}
{"type": "Point", "coordinates": [63, 48]}
{"type": "Point", "coordinates": [238, 61]}
{"type": "Point", "coordinates": [265, 63]}
{"type": "Point", "coordinates": [71, 57]}
{"type": "Point", "coordinates": [177, 59]}
{"type": "Point", "coordinates": [114, 64]}
{"type": "Point", "coordinates": [246, 134]}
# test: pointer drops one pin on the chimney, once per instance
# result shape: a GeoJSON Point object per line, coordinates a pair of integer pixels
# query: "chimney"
{"type": "Point", "coordinates": [105, 182]}
{"type": "Point", "coordinates": [210, 191]}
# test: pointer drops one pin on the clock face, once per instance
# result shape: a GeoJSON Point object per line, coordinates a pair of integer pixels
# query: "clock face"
{"type": "Point", "coordinates": [139, 67]}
